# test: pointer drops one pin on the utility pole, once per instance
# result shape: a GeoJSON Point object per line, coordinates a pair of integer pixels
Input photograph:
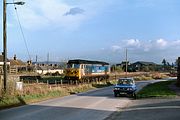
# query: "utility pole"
{"type": "Point", "coordinates": [48, 62]}
{"type": "Point", "coordinates": [5, 40]}
{"type": "Point", "coordinates": [36, 63]}
{"type": "Point", "coordinates": [4, 45]}
{"type": "Point", "coordinates": [126, 62]}
{"type": "Point", "coordinates": [36, 58]}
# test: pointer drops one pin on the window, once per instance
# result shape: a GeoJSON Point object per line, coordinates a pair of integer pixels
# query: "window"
{"type": "Point", "coordinates": [125, 82]}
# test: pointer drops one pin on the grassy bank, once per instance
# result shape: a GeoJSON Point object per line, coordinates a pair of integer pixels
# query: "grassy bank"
{"type": "Point", "coordinates": [159, 89]}
{"type": "Point", "coordinates": [150, 76]}
{"type": "Point", "coordinates": [39, 92]}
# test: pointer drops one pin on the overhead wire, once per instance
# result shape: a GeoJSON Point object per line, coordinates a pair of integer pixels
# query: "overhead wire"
{"type": "Point", "coordinates": [23, 36]}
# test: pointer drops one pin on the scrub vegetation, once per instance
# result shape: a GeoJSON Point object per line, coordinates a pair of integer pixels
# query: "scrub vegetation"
{"type": "Point", "coordinates": [151, 76]}
{"type": "Point", "coordinates": [38, 92]}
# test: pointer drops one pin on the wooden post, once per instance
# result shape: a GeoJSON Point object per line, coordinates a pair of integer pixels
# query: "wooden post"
{"type": "Point", "coordinates": [178, 73]}
{"type": "Point", "coordinates": [47, 83]}
{"type": "Point", "coordinates": [61, 82]}
{"type": "Point", "coordinates": [56, 83]}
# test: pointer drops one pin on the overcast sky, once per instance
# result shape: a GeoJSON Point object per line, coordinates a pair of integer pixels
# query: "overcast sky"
{"type": "Point", "coordinates": [95, 30]}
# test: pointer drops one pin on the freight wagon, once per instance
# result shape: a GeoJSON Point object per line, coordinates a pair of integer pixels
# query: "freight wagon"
{"type": "Point", "coordinates": [86, 70]}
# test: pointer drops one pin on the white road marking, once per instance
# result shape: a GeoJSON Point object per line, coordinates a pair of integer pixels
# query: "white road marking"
{"type": "Point", "coordinates": [151, 108]}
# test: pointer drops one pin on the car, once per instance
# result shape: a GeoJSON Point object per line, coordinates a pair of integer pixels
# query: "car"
{"type": "Point", "coordinates": [125, 86]}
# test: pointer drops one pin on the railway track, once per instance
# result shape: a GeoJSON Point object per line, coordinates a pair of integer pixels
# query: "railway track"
{"type": "Point", "coordinates": [65, 83]}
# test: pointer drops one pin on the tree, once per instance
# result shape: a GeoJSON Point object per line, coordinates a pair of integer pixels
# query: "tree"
{"type": "Point", "coordinates": [168, 64]}
{"type": "Point", "coordinates": [178, 73]}
{"type": "Point", "coordinates": [176, 62]}
{"type": "Point", "coordinates": [164, 62]}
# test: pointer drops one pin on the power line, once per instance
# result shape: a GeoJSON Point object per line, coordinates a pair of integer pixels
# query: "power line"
{"type": "Point", "coordinates": [20, 26]}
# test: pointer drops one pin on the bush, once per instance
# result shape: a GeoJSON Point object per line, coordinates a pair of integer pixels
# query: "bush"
{"type": "Point", "coordinates": [143, 77]}
{"type": "Point", "coordinates": [159, 76]}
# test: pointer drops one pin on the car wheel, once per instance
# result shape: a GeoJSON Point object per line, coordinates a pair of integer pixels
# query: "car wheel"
{"type": "Point", "coordinates": [133, 95]}
{"type": "Point", "coordinates": [115, 94]}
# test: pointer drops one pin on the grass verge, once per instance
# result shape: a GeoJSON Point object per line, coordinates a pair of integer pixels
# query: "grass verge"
{"type": "Point", "coordinates": [36, 93]}
{"type": "Point", "coordinates": [159, 89]}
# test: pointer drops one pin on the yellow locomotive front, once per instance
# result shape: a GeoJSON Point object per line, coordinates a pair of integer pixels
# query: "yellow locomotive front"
{"type": "Point", "coordinates": [73, 72]}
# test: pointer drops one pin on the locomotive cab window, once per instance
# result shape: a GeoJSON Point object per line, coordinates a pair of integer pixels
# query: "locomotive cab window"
{"type": "Point", "coordinates": [73, 66]}
{"type": "Point", "coordinates": [76, 65]}
{"type": "Point", "coordinates": [69, 65]}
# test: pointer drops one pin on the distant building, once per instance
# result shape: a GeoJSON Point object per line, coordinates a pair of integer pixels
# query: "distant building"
{"type": "Point", "coordinates": [48, 68]}
{"type": "Point", "coordinates": [143, 66]}
{"type": "Point", "coordinates": [123, 64]}
{"type": "Point", "coordinates": [17, 66]}
{"type": "Point", "coordinates": [2, 63]}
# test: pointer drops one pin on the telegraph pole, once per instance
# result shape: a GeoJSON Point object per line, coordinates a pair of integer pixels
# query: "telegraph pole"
{"type": "Point", "coordinates": [5, 40]}
{"type": "Point", "coordinates": [4, 45]}
{"type": "Point", "coordinates": [48, 62]}
{"type": "Point", "coordinates": [126, 62]}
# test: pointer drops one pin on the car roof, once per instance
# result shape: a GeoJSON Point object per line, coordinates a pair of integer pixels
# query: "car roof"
{"type": "Point", "coordinates": [126, 79]}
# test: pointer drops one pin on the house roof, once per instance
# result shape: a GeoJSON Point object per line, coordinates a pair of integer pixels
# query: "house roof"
{"type": "Point", "coordinates": [145, 63]}
{"type": "Point", "coordinates": [16, 62]}
{"type": "Point", "coordinates": [1, 58]}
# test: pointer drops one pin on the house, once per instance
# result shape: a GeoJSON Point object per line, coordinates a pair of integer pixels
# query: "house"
{"type": "Point", "coordinates": [123, 64]}
{"type": "Point", "coordinates": [17, 66]}
{"type": "Point", "coordinates": [2, 63]}
{"type": "Point", "coordinates": [48, 68]}
{"type": "Point", "coordinates": [143, 66]}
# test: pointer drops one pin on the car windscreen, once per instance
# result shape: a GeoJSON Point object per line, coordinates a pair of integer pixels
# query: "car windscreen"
{"type": "Point", "coordinates": [125, 82]}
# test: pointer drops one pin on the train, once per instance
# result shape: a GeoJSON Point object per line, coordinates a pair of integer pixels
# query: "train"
{"type": "Point", "coordinates": [86, 70]}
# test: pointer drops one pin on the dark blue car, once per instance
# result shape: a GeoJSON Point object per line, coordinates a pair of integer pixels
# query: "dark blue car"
{"type": "Point", "coordinates": [125, 86]}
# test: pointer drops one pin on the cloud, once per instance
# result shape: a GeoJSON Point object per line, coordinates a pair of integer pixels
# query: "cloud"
{"type": "Point", "coordinates": [74, 11]}
{"type": "Point", "coordinates": [133, 42]}
{"type": "Point", "coordinates": [152, 50]}
{"type": "Point", "coordinates": [161, 43]}
{"type": "Point", "coordinates": [41, 14]}
{"type": "Point", "coordinates": [130, 43]}
{"type": "Point", "coordinates": [37, 14]}
{"type": "Point", "coordinates": [115, 48]}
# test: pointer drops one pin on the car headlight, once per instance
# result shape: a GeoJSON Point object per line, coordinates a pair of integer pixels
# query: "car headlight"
{"type": "Point", "coordinates": [130, 88]}
{"type": "Point", "coordinates": [116, 88]}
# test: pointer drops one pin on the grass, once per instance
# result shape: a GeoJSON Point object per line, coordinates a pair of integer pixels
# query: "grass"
{"type": "Point", "coordinates": [51, 79]}
{"type": "Point", "coordinates": [143, 77]}
{"type": "Point", "coordinates": [159, 89]}
{"type": "Point", "coordinates": [39, 92]}
{"type": "Point", "coordinates": [150, 76]}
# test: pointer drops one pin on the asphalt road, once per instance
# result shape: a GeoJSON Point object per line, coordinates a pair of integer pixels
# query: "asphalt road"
{"type": "Point", "coordinates": [149, 109]}
{"type": "Point", "coordinates": [93, 105]}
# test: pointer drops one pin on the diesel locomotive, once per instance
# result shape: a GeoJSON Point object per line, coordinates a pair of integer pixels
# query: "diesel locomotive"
{"type": "Point", "coordinates": [86, 70]}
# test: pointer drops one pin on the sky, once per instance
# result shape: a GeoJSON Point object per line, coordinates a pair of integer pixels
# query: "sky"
{"type": "Point", "coordinates": [94, 30]}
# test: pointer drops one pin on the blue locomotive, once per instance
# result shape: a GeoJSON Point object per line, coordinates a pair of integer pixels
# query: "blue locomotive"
{"type": "Point", "coordinates": [86, 70]}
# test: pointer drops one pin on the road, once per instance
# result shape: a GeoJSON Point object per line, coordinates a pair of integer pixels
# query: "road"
{"type": "Point", "coordinates": [93, 105]}
{"type": "Point", "coordinates": [149, 109]}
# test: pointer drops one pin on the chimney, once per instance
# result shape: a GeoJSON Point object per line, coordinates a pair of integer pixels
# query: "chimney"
{"type": "Point", "coordinates": [15, 57]}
